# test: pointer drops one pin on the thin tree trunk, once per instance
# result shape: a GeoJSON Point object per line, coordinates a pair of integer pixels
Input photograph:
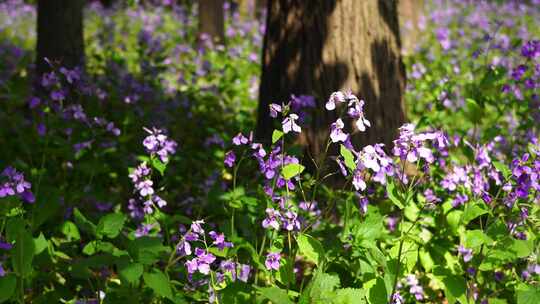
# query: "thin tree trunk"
{"type": "Point", "coordinates": [60, 33]}
{"type": "Point", "coordinates": [318, 47]}
{"type": "Point", "coordinates": [211, 19]}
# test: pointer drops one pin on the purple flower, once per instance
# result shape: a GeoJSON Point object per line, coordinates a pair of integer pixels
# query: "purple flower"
{"type": "Point", "coordinates": [183, 248]}
{"type": "Point", "coordinates": [275, 109]}
{"type": "Point", "coordinates": [5, 246]}
{"type": "Point", "coordinates": [143, 230]}
{"type": "Point", "coordinates": [518, 72]}
{"type": "Point", "coordinates": [204, 259]}
{"type": "Point", "coordinates": [460, 199]}
{"type": "Point", "coordinates": [58, 95]}
{"type": "Point", "coordinates": [335, 98]}
{"type": "Point", "coordinates": [230, 267]}
{"type": "Point", "coordinates": [431, 197]}
{"type": "Point", "coordinates": [158, 143]}
{"type": "Point", "coordinates": [336, 131]}
{"type": "Point", "coordinates": [391, 223]}
{"type": "Point", "coordinates": [230, 158]}
{"type": "Point", "coordinates": [272, 261]}
{"type": "Point", "coordinates": [358, 181]}
{"type": "Point", "coordinates": [271, 219]}
{"type": "Point", "coordinates": [363, 203]}
{"type": "Point", "coordinates": [397, 298]}
{"type": "Point", "coordinates": [244, 272]}
{"type": "Point", "coordinates": [290, 221]}
{"type": "Point", "coordinates": [466, 253]}
{"type": "Point", "coordinates": [16, 185]}
{"type": "Point", "coordinates": [442, 35]}
{"type": "Point", "coordinates": [219, 240]}
{"type": "Point", "coordinates": [289, 124]}
{"type": "Point", "coordinates": [145, 187]}
{"type": "Point", "coordinates": [34, 102]}
{"type": "Point", "coordinates": [197, 228]}
{"type": "Point", "coordinates": [531, 49]}
{"type": "Point", "coordinates": [239, 140]}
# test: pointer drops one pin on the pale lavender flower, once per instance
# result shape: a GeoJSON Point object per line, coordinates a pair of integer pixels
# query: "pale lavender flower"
{"type": "Point", "coordinates": [289, 124]}
{"type": "Point", "coordinates": [466, 253]}
{"type": "Point", "coordinates": [272, 261]}
{"type": "Point", "coordinates": [336, 131]}
{"type": "Point", "coordinates": [275, 109]}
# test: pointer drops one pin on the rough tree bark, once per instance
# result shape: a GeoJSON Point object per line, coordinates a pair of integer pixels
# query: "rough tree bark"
{"type": "Point", "coordinates": [60, 33]}
{"type": "Point", "coordinates": [318, 47]}
{"type": "Point", "coordinates": [211, 19]}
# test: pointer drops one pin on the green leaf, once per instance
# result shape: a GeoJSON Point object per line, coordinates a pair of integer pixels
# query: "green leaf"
{"type": "Point", "coordinates": [349, 296]}
{"type": "Point", "coordinates": [527, 294]}
{"type": "Point", "coordinates": [13, 228]}
{"type": "Point", "coordinates": [275, 294]}
{"type": "Point", "coordinates": [472, 211]}
{"type": "Point", "coordinates": [285, 275]}
{"type": "Point", "coordinates": [159, 283]}
{"type": "Point", "coordinates": [110, 225]}
{"type": "Point", "coordinates": [426, 260]}
{"type": "Point", "coordinates": [8, 285]}
{"type": "Point", "coordinates": [23, 253]}
{"type": "Point", "coordinates": [348, 157]}
{"type": "Point", "coordinates": [159, 166]}
{"type": "Point", "coordinates": [455, 286]}
{"type": "Point", "coordinates": [321, 288]}
{"type": "Point", "coordinates": [377, 293]}
{"type": "Point", "coordinates": [40, 243]}
{"type": "Point", "coordinates": [311, 248]}
{"type": "Point", "coordinates": [70, 230]}
{"type": "Point", "coordinates": [130, 272]}
{"type": "Point", "coordinates": [475, 238]}
{"type": "Point", "coordinates": [522, 248]}
{"type": "Point", "coordinates": [276, 135]}
{"type": "Point", "coordinates": [83, 223]}
{"type": "Point", "coordinates": [502, 168]}
{"type": "Point", "coordinates": [393, 194]}
{"type": "Point", "coordinates": [96, 246]}
{"type": "Point", "coordinates": [291, 170]}
{"type": "Point", "coordinates": [236, 293]}
{"type": "Point", "coordinates": [146, 250]}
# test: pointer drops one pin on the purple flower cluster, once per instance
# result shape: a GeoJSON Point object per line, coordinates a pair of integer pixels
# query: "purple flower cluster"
{"type": "Point", "coordinates": [371, 157]}
{"type": "Point", "coordinates": [203, 260]}
{"type": "Point", "coordinates": [355, 108]}
{"type": "Point", "coordinates": [414, 287]}
{"type": "Point", "coordinates": [411, 146]}
{"type": "Point", "coordinates": [141, 177]}
{"type": "Point", "coordinates": [160, 144]}
{"type": "Point", "coordinates": [14, 184]}
{"type": "Point", "coordinates": [285, 218]}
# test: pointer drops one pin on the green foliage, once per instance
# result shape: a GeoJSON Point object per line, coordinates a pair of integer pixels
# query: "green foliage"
{"type": "Point", "coordinates": [311, 248]}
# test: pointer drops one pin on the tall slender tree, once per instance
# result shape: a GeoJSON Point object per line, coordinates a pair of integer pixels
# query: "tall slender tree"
{"type": "Point", "coordinates": [211, 19]}
{"type": "Point", "coordinates": [59, 33]}
{"type": "Point", "coordinates": [317, 47]}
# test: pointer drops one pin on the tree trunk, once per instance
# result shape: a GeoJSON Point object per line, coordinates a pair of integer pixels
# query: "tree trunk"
{"type": "Point", "coordinates": [318, 47]}
{"type": "Point", "coordinates": [410, 14]}
{"type": "Point", "coordinates": [60, 33]}
{"type": "Point", "coordinates": [211, 19]}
